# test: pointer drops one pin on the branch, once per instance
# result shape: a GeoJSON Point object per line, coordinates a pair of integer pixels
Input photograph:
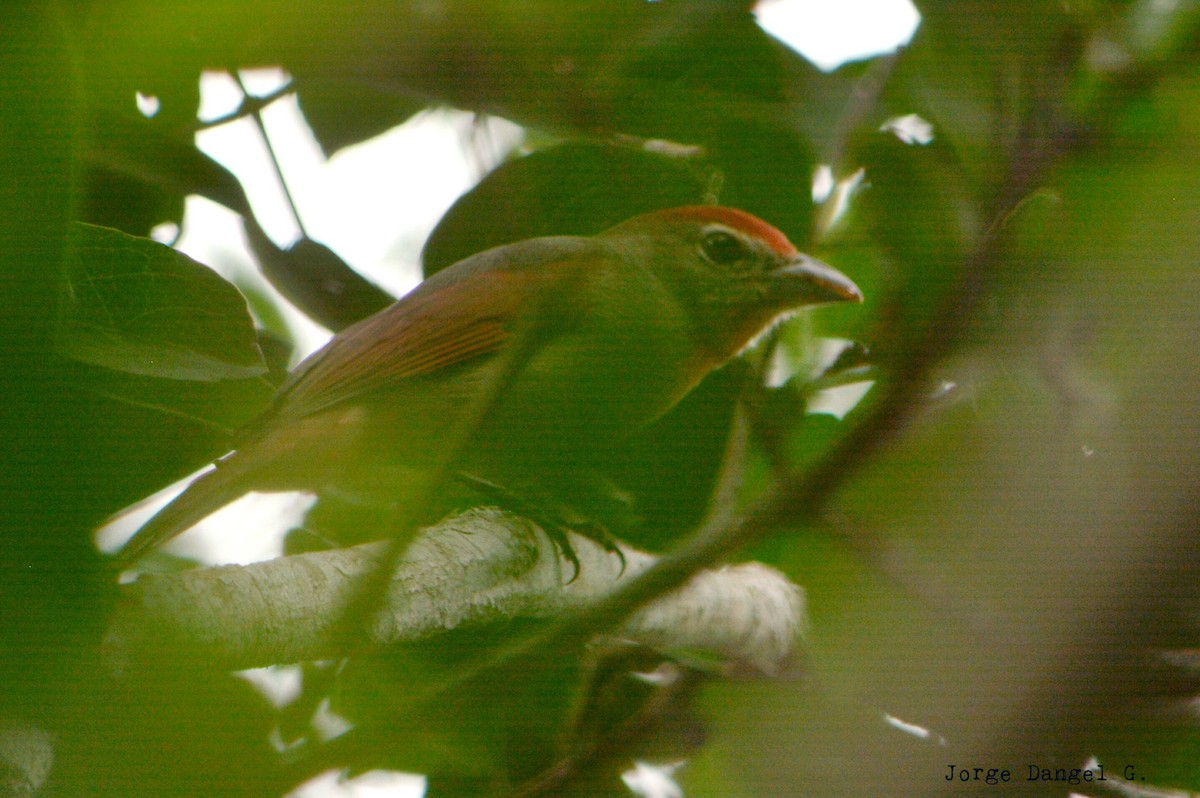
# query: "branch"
{"type": "Point", "coordinates": [482, 566]}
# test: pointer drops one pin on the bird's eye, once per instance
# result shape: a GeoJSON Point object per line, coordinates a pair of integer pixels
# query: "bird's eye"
{"type": "Point", "coordinates": [722, 247]}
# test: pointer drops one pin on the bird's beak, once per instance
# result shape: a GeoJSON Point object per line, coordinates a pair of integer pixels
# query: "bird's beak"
{"type": "Point", "coordinates": [811, 282]}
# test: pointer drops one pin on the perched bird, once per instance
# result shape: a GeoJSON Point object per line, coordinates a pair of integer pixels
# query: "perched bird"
{"type": "Point", "coordinates": [628, 322]}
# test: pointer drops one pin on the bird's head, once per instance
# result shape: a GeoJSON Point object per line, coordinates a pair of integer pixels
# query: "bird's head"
{"type": "Point", "coordinates": [734, 274]}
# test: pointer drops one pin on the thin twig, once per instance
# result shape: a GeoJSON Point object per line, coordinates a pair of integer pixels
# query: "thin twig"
{"type": "Point", "coordinates": [249, 105]}
{"type": "Point", "coordinates": [590, 751]}
{"type": "Point", "coordinates": [256, 114]}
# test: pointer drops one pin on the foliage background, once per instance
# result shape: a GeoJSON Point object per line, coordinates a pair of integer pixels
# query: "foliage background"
{"type": "Point", "coordinates": [1002, 549]}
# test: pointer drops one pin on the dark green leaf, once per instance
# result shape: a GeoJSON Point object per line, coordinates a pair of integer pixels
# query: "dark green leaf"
{"type": "Point", "coordinates": [980, 72]}
{"type": "Point", "coordinates": [316, 280]}
{"type": "Point", "coordinates": [921, 221]}
{"type": "Point", "coordinates": [342, 113]}
{"type": "Point", "coordinates": [571, 189]}
{"type": "Point", "coordinates": [156, 157]}
{"type": "Point", "coordinates": [113, 199]}
{"type": "Point", "coordinates": [140, 307]}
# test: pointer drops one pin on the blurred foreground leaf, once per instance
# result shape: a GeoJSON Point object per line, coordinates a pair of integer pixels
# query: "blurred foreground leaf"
{"type": "Point", "coordinates": [140, 307]}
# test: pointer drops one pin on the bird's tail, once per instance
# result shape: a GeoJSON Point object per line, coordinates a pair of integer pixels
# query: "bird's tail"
{"type": "Point", "coordinates": [208, 493]}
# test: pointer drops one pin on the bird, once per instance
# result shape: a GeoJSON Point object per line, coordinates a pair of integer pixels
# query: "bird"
{"type": "Point", "coordinates": [614, 329]}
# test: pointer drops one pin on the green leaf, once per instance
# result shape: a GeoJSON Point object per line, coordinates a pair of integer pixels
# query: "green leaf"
{"type": "Point", "coordinates": [978, 72]}
{"type": "Point", "coordinates": [136, 306]}
{"type": "Point", "coordinates": [325, 103]}
{"type": "Point", "coordinates": [922, 221]}
{"type": "Point", "coordinates": [114, 199]}
{"type": "Point", "coordinates": [571, 189]}
{"type": "Point", "coordinates": [146, 158]}
{"type": "Point", "coordinates": [317, 281]}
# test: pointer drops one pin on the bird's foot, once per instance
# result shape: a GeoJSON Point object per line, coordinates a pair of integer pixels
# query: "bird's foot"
{"type": "Point", "coordinates": [555, 520]}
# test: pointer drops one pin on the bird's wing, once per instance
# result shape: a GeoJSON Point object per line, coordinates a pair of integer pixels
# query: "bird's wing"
{"type": "Point", "coordinates": [462, 313]}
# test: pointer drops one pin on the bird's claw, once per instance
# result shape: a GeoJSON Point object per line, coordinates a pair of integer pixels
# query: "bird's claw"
{"type": "Point", "coordinates": [556, 527]}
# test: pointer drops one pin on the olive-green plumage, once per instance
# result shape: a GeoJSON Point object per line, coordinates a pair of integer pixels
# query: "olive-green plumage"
{"type": "Point", "coordinates": [630, 321]}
